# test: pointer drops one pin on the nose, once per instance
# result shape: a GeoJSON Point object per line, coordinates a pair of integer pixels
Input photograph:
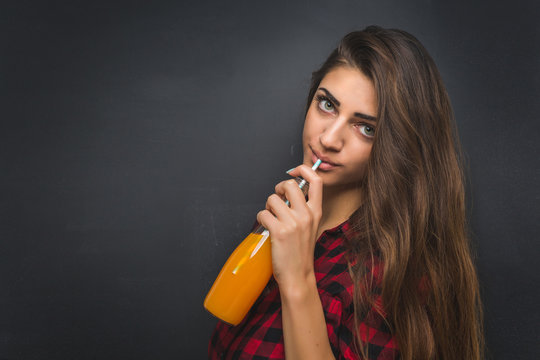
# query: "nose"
{"type": "Point", "coordinates": [333, 136]}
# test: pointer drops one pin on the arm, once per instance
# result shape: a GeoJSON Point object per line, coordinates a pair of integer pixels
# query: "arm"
{"type": "Point", "coordinates": [304, 326]}
{"type": "Point", "coordinates": [293, 231]}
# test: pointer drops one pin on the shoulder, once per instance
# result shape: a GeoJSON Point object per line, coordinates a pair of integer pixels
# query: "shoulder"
{"type": "Point", "coordinates": [333, 267]}
{"type": "Point", "coordinates": [334, 271]}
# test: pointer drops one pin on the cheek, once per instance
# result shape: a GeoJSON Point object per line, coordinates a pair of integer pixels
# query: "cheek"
{"type": "Point", "coordinates": [360, 155]}
{"type": "Point", "coordinates": [313, 122]}
{"type": "Point", "coordinates": [309, 128]}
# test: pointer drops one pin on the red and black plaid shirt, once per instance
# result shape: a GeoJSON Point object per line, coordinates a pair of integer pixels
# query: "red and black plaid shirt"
{"type": "Point", "coordinates": [260, 334]}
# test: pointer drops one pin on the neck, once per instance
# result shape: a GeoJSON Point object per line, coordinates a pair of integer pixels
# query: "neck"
{"type": "Point", "coordinates": [338, 205]}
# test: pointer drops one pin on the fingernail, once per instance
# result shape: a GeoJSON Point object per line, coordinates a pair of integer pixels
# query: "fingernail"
{"type": "Point", "coordinates": [288, 171]}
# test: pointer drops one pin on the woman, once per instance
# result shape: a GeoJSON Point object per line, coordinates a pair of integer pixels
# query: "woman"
{"type": "Point", "coordinates": [376, 263]}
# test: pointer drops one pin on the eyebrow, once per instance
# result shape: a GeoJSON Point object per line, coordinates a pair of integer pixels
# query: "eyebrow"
{"type": "Point", "coordinates": [336, 101]}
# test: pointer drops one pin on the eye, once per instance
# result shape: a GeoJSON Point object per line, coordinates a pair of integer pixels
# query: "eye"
{"type": "Point", "coordinates": [367, 130]}
{"type": "Point", "coordinates": [325, 104]}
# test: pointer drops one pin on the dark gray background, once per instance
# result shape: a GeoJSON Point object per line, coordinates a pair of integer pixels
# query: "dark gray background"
{"type": "Point", "coordinates": [139, 139]}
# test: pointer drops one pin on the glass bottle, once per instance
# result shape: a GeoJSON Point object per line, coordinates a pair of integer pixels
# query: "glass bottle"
{"type": "Point", "coordinates": [244, 275]}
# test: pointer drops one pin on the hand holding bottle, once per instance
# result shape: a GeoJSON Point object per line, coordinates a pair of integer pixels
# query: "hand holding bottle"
{"type": "Point", "coordinates": [293, 229]}
{"type": "Point", "coordinates": [249, 267]}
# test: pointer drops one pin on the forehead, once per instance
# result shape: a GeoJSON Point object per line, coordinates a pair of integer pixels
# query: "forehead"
{"type": "Point", "coordinates": [352, 89]}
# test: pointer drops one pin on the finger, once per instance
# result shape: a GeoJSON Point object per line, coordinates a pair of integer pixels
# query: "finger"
{"type": "Point", "coordinates": [277, 206]}
{"type": "Point", "coordinates": [289, 186]}
{"type": "Point", "coordinates": [293, 193]}
{"type": "Point", "coordinates": [280, 188]}
{"type": "Point", "coordinates": [315, 184]}
{"type": "Point", "coordinates": [267, 219]}
{"type": "Point", "coordinates": [294, 171]}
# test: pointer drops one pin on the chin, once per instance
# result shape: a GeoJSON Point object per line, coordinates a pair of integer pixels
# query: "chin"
{"type": "Point", "coordinates": [331, 182]}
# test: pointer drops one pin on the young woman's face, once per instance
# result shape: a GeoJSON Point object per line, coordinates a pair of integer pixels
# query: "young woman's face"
{"type": "Point", "coordinates": [339, 126]}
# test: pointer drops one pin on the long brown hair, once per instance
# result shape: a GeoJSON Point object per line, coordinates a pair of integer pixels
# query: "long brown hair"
{"type": "Point", "coordinates": [413, 210]}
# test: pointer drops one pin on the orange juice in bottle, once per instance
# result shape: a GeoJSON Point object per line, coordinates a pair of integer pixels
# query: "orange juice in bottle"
{"type": "Point", "coordinates": [242, 278]}
{"type": "Point", "coordinates": [245, 274]}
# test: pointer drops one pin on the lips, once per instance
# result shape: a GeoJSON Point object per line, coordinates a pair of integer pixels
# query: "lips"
{"type": "Point", "coordinates": [326, 163]}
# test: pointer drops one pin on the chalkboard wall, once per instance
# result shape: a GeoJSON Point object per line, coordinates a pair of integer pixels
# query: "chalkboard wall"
{"type": "Point", "coordinates": [139, 139]}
